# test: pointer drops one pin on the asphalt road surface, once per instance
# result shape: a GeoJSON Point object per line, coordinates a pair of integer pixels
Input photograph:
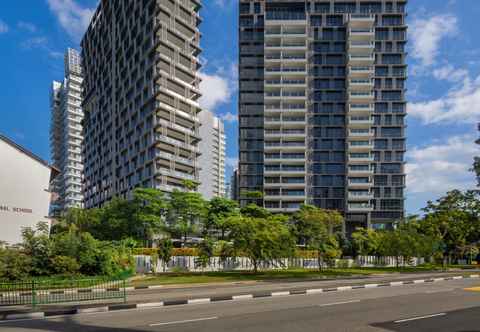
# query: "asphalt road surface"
{"type": "Point", "coordinates": [443, 306]}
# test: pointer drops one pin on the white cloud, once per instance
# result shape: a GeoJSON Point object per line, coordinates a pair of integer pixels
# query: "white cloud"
{"type": "Point", "coordinates": [30, 27]}
{"type": "Point", "coordinates": [36, 42]}
{"type": "Point", "coordinates": [3, 27]}
{"type": "Point", "coordinates": [442, 166]}
{"type": "Point", "coordinates": [40, 43]}
{"type": "Point", "coordinates": [460, 105]}
{"type": "Point", "coordinates": [215, 91]}
{"type": "Point", "coordinates": [427, 34]}
{"type": "Point", "coordinates": [218, 88]}
{"type": "Point", "coordinates": [449, 73]}
{"type": "Point", "coordinates": [72, 17]}
{"type": "Point", "coordinates": [225, 3]}
{"type": "Point", "coordinates": [229, 117]}
{"type": "Point", "coordinates": [231, 162]}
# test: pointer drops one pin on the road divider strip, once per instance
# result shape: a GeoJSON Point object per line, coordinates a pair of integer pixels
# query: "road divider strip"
{"type": "Point", "coordinates": [192, 301]}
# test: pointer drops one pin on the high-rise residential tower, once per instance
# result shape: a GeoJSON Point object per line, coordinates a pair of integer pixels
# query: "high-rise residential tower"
{"type": "Point", "coordinates": [322, 106]}
{"type": "Point", "coordinates": [66, 138]}
{"type": "Point", "coordinates": [141, 93]}
{"type": "Point", "coordinates": [212, 159]}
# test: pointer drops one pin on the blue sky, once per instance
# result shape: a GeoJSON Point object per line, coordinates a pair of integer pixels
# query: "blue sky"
{"type": "Point", "coordinates": [443, 86]}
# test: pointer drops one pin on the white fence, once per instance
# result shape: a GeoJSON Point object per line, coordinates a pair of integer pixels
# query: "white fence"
{"type": "Point", "coordinates": [193, 264]}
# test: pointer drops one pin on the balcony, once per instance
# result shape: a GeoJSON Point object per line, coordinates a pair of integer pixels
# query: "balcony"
{"type": "Point", "coordinates": [360, 146]}
{"type": "Point", "coordinates": [176, 174]}
{"type": "Point", "coordinates": [361, 59]}
{"type": "Point", "coordinates": [361, 84]}
{"type": "Point", "coordinates": [361, 96]}
{"type": "Point", "coordinates": [360, 158]}
{"type": "Point", "coordinates": [300, 170]}
{"type": "Point", "coordinates": [285, 71]}
{"type": "Point", "coordinates": [286, 45]}
{"type": "Point", "coordinates": [360, 195]}
{"type": "Point", "coordinates": [360, 121]}
{"type": "Point", "coordinates": [359, 170]}
{"type": "Point", "coordinates": [360, 108]}
{"type": "Point", "coordinates": [165, 139]}
{"type": "Point", "coordinates": [293, 145]}
{"type": "Point", "coordinates": [285, 133]}
{"type": "Point", "coordinates": [360, 207]}
{"type": "Point", "coordinates": [285, 57]}
{"type": "Point", "coordinates": [287, 82]}
{"type": "Point", "coordinates": [366, 34]}
{"type": "Point", "coordinates": [360, 133]}
{"type": "Point", "coordinates": [360, 71]}
{"type": "Point", "coordinates": [169, 156]}
{"type": "Point", "coordinates": [285, 94]}
{"type": "Point", "coordinates": [360, 47]}
{"type": "Point", "coordinates": [359, 183]}
{"type": "Point", "coordinates": [361, 20]}
{"type": "Point", "coordinates": [291, 108]}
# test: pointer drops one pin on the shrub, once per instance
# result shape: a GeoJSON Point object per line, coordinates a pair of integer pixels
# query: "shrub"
{"type": "Point", "coordinates": [14, 264]}
{"type": "Point", "coordinates": [185, 252]}
{"type": "Point", "coordinates": [65, 265]}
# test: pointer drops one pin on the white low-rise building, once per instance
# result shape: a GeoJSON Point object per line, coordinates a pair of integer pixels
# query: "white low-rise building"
{"type": "Point", "coordinates": [24, 190]}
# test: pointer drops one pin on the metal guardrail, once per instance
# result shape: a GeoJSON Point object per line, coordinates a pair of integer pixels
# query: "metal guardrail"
{"type": "Point", "coordinates": [35, 292]}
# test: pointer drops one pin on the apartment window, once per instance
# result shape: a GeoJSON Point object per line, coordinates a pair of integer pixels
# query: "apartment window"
{"type": "Point", "coordinates": [391, 204]}
{"type": "Point", "coordinates": [381, 180]}
{"type": "Point", "coordinates": [257, 7]}
{"type": "Point", "coordinates": [381, 34]}
{"type": "Point", "coordinates": [391, 132]}
{"type": "Point", "coordinates": [334, 169]}
{"type": "Point", "coordinates": [371, 7]}
{"type": "Point", "coordinates": [399, 34]}
{"type": "Point", "coordinates": [381, 71]}
{"type": "Point", "coordinates": [316, 21]}
{"type": "Point", "coordinates": [344, 7]}
{"type": "Point", "coordinates": [398, 144]}
{"type": "Point", "coordinates": [381, 144]}
{"type": "Point", "coordinates": [398, 180]}
{"type": "Point", "coordinates": [322, 7]}
{"type": "Point", "coordinates": [390, 168]}
{"type": "Point", "coordinates": [244, 8]}
{"type": "Point", "coordinates": [391, 59]}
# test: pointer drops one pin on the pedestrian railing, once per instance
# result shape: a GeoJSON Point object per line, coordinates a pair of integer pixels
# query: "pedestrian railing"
{"type": "Point", "coordinates": [35, 292]}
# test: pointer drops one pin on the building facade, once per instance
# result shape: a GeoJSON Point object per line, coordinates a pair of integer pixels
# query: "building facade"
{"type": "Point", "coordinates": [234, 185]}
{"type": "Point", "coordinates": [212, 158]}
{"type": "Point", "coordinates": [66, 138]}
{"type": "Point", "coordinates": [141, 92]}
{"type": "Point", "coordinates": [322, 106]}
{"type": "Point", "coordinates": [24, 190]}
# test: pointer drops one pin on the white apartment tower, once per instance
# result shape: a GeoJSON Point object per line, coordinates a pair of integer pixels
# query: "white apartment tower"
{"type": "Point", "coordinates": [212, 159]}
{"type": "Point", "coordinates": [66, 138]}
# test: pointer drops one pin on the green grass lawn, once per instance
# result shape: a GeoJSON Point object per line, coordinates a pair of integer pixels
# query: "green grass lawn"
{"type": "Point", "coordinates": [291, 274]}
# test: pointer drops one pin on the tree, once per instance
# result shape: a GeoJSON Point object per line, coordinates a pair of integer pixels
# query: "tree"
{"type": "Point", "coordinates": [366, 242]}
{"type": "Point", "coordinates": [37, 245]}
{"type": "Point", "coordinates": [454, 219]}
{"type": "Point", "coordinates": [316, 229]}
{"type": "Point", "coordinates": [205, 252]}
{"type": "Point", "coordinates": [219, 210]}
{"type": "Point", "coordinates": [165, 247]}
{"type": "Point", "coordinates": [185, 212]}
{"type": "Point", "coordinates": [150, 206]}
{"type": "Point", "coordinates": [261, 239]}
{"type": "Point", "coordinates": [254, 211]}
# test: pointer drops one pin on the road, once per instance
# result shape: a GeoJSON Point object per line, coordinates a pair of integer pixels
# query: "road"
{"type": "Point", "coordinates": [443, 306]}
{"type": "Point", "coordinates": [225, 289]}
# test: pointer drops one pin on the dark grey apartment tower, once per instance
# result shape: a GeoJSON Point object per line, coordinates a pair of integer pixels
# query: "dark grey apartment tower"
{"type": "Point", "coordinates": [141, 91]}
{"type": "Point", "coordinates": [322, 106]}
